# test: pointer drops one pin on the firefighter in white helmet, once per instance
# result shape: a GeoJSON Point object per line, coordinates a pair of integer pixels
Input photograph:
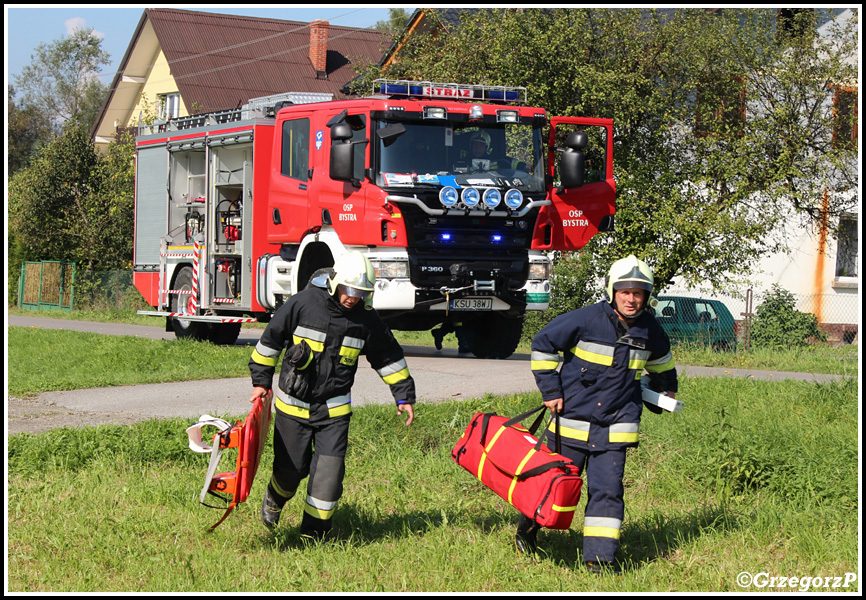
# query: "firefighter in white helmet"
{"type": "Point", "coordinates": [326, 328]}
{"type": "Point", "coordinates": [602, 350]}
{"type": "Point", "coordinates": [483, 151]}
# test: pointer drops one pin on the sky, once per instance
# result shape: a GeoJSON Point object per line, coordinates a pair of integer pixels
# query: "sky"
{"type": "Point", "coordinates": [29, 25]}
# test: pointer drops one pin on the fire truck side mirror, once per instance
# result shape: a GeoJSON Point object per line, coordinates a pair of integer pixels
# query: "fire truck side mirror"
{"type": "Point", "coordinates": [341, 132]}
{"type": "Point", "coordinates": [571, 165]}
{"type": "Point", "coordinates": [342, 165]}
{"type": "Point", "coordinates": [342, 161]}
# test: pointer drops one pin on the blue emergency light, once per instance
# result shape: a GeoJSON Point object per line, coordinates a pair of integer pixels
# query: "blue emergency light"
{"type": "Point", "coordinates": [503, 95]}
{"type": "Point", "coordinates": [470, 197]}
{"type": "Point", "coordinates": [492, 198]}
{"type": "Point", "coordinates": [448, 196]}
{"type": "Point", "coordinates": [398, 89]}
{"type": "Point", "coordinates": [513, 199]}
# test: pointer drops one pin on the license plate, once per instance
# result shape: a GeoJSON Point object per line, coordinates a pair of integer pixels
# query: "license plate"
{"type": "Point", "coordinates": [472, 304]}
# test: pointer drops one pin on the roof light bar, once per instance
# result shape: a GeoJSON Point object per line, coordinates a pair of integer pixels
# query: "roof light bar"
{"type": "Point", "coordinates": [457, 91]}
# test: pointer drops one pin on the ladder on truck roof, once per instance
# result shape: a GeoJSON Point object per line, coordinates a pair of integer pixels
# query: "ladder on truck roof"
{"type": "Point", "coordinates": [262, 107]}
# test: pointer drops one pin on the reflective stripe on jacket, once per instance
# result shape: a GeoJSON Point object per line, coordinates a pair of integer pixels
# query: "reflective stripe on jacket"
{"type": "Point", "coordinates": [582, 358]}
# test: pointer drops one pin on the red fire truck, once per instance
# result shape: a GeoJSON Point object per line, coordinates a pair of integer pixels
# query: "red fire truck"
{"type": "Point", "coordinates": [452, 191]}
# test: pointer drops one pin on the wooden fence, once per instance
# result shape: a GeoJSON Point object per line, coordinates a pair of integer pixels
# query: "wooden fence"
{"type": "Point", "coordinates": [46, 284]}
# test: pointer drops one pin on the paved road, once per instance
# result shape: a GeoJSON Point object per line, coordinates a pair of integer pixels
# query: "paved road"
{"type": "Point", "coordinates": [439, 375]}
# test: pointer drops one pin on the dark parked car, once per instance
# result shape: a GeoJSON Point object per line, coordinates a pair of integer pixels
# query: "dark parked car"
{"type": "Point", "coordinates": [697, 320]}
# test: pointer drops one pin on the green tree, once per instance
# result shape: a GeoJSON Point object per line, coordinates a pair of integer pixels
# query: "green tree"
{"type": "Point", "coordinates": [398, 18]}
{"type": "Point", "coordinates": [72, 204]}
{"type": "Point", "coordinates": [26, 129]}
{"type": "Point", "coordinates": [720, 132]}
{"type": "Point", "coordinates": [62, 79]}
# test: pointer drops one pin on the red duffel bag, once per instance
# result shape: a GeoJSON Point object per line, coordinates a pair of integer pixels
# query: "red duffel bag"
{"type": "Point", "coordinates": [521, 469]}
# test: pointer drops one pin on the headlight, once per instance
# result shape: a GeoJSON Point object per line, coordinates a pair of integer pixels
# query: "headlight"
{"type": "Point", "coordinates": [507, 116]}
{"type": "Point", "coordinates": [391, 269]}
{"type": "Point", "coordinates": [448, 196]}
{"type": "Point", "coordinates": [470, 197]}
{"type": "Point", "coordinates": [492, 198]}
{"type": "Point", "coordinates": [539, 270]}
{"type": "Point", "coordinates": [513, 199]}
{"type": "Point", "coordinates": [434, 112]}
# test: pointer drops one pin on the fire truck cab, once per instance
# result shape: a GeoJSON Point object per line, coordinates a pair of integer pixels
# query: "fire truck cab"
{"type": "Point", "coordinates": [456, 193]}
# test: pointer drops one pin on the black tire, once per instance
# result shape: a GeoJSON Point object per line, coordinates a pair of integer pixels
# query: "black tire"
{"type": "Point", "coordinates": [493, 335]}
{"type": "Point", "coordinates": [224, 334]}
{"type": "Point", "coordinates": [182, 327]}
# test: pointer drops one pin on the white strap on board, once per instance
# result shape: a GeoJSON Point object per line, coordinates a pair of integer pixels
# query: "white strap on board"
{"type": "Point", "coordinates": [661, 400]}
{"type": "Point", "coordinates": [215, 455]}
{"type": "Point", "coordinates": [196, 444]}
{"type": "Point", "coordinates": [193, 432]}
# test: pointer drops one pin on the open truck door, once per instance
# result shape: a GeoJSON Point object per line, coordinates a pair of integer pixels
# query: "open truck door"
{"type": "Point", "coordinates": [582, 189]}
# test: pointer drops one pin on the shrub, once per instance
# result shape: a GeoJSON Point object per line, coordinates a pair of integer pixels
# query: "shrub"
{"type": "Point", "coordinates": [778, 324]}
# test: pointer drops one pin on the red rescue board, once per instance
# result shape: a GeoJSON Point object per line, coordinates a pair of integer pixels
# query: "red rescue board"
{"type": "Point", "coordinates": [249, 438]}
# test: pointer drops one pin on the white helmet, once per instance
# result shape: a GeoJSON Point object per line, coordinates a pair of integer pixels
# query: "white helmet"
{"type": "Point", "coordinates": [356, 275]}
{"type": "Point", "coordinates": [628, 272]}
{"type": "Point", "coordinates": [481, 136]}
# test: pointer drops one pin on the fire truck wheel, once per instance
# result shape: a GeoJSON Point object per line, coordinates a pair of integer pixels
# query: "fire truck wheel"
{"type": "Point", "coordinates": [493, 335]}
{"type": "Point", "coordinates": [184, 303]}
{"type": "Point", "coordinates": [224, 334]}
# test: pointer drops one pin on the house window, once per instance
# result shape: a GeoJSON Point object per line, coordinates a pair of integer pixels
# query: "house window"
{"type": "Point", "coordinates": [846, 255]}
{"type": "Point", "coordinates": [721, 106]}
{"type": "Point", "coordinates": [169, 106]}
{"type": "Point", "coordinates": [845, 118]}
{"type": "Point", "coordinates": [296, 149]}
{"type": "Point", "coordinates": [795, 26]}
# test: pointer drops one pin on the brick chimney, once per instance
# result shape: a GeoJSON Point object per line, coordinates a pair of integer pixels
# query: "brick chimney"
{"type": "Point", "coordinates": [319, 47]}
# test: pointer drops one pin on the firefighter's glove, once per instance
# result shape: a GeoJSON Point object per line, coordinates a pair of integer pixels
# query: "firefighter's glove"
{"type": "Point", "coordinates": [299, 354]}
{"type": "Point", "coordinates": [298, 374]}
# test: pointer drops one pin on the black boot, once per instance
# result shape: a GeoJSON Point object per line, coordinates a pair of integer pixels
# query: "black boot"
{"type": "Point", "coordinates": [313, 529]}
{"type": "Point", "coordinates": [526, 537]}
{"type": "Point", "coordinates": [272, 506]}
{"type": "Point", "coordinates": [603, 568]}
{"type": "Point", "coordinates": [438, 334]}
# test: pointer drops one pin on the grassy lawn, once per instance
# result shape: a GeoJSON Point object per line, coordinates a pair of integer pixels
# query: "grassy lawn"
{"type": "Point", "coordinates": [841, 360]}
{"type": "Point", "coordinates": [756, 477]}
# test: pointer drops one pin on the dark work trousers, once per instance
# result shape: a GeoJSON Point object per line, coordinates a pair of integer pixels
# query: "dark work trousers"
{"type": "Point", "coordinates": [602, 475]}
{"type": "Point", "coordinates": [317, 449]}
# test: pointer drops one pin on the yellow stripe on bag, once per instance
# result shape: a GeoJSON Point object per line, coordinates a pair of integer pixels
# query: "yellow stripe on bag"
{"type": "Point", "coordinates": [558, 508]}
{"type": "Point", "coordinates": [519, 469]}
{"type": "Point", "coordinates": [487, 449]}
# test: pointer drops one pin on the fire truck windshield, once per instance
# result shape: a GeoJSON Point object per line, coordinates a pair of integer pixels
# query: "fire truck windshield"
{"type": "Point", "coordinates": [434, 152]}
